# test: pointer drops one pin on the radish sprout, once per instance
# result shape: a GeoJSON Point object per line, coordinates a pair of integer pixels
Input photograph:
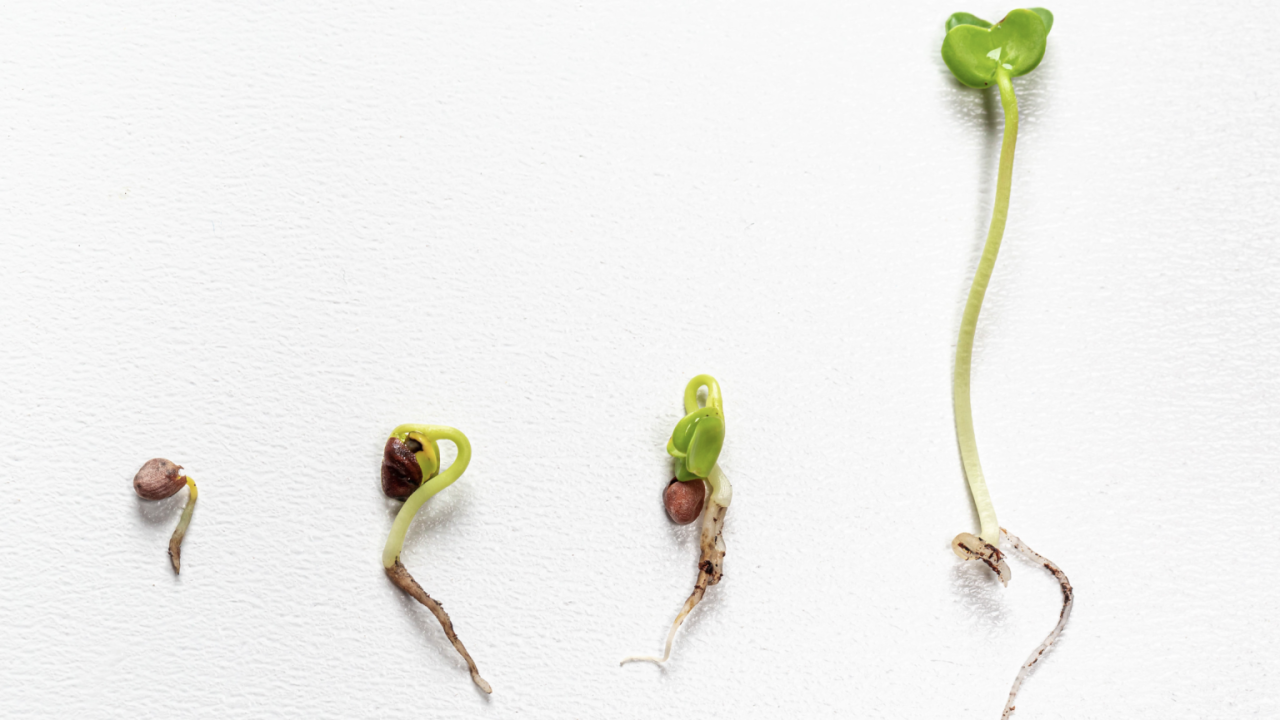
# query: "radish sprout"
{"type": "Point", "coordinates": [695, 444]}
{"type": "Point", "coordinates": [980, 54]}
{"type": "Point", "coordinates": [159, 479]}
{"type": "Point", "coordinates": [411, 472]}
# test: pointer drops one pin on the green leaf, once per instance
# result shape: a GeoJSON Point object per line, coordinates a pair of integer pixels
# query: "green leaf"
{"type": "Point", "coordinates": [683, 432]}
{"type": "Point", "coordinates": [1016, 44]}
{"type": "Point", "coordinates": [683, 474]}
{"type": "Point", "coordinates": [704, 449]}
{"type": "Point", "coordinates": [963, 18]}
{"type": "Point", "coordinates": [1046, 17]}
{"type": "Point", "coordinates": [429, 457]}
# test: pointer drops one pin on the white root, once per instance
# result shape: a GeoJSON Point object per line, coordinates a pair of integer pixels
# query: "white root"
{"type": "Point", "coordinates": [710, 567]}
{"type": "Point", "coordinates": [1068, 599]}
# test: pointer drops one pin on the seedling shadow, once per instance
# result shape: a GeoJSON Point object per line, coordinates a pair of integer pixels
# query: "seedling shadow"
{"type": "Point", "coordinates": [160, 513]}
{"type": "Point", "coordinates": [684, 536]}
{"type": "Point", "coordinates": [980, 593]}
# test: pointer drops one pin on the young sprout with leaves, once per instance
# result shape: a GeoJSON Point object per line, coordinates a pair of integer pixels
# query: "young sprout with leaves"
{"type": "Point", "coordinates": [980, 55]}
{"type": "Point", "coordinates": [159, 479]}
{"type": "Point", "coordinates": [411, 472]}
{"type": "Point", "coordinates": [695, 444]}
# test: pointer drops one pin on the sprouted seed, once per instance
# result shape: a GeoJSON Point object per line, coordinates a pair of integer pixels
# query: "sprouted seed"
{"type": "Point", "coordinates": [683, 500]}
{"type": "Point", "coordinates": [411, 472]}
{"type": "Point", "coordinates": [159, 479]}
{"type": "Point", "coordinates": [980, 54]}
{"type": "Point", "coordinates": [695, 444]}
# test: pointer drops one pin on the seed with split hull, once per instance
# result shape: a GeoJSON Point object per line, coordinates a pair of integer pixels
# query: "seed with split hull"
{"type": "Point", "coordinates": [158, 479]}
{"type": "Point", "coordinates": [683, 500]}
{"type": "Point", "coordinates": [401, 473]}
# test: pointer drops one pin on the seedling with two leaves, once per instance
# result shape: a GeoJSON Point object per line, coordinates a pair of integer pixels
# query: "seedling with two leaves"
{"type": "Point", "coordinates": [980, 55]}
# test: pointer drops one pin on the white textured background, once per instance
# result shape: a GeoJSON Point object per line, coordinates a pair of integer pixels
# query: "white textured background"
{"type": "Point", "coordinates": [254, 240]}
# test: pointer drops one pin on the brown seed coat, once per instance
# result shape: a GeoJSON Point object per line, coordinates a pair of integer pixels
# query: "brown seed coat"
{"type": "Point", "coordinates": [158, 479]}
{"type": "Point", "coordinates": [401, 473]}
{"type": "Point", "coordinates": [684, 500]}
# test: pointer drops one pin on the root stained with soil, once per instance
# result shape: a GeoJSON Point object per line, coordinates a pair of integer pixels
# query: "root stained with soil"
{"type": "Point", "coordinates": [710, 570]}
{"type": "Point", "coordinates": [403, 580]}
{"type": "Point", "coordinates": [175, 551]}
{"type": "Point", "coordinates": [180, 532]}
{"type": "Point", "coordinates": [1068, 599]}
{"type": "Point", "coordinates": [971, 547]}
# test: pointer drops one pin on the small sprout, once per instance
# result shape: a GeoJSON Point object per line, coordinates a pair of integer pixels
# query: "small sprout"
{"type": "Point", "coordinates": [159, 479]}
{"type": "Point", "coordinates": [411, 469]}
{"type": "Point", "coordinates": [683, 500]}
{"type": "Point", "coordinates": [695, 443]}
{"type": "Point", "coordinates": [980, 54]}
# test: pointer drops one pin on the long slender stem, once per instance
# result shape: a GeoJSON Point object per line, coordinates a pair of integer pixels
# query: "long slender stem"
{"type": "Point", "coordinates": [395, 540]}
{"type": "Point", "coordinates": [175, 541]}
{"type": "Point", "coordinates": [969, 323]}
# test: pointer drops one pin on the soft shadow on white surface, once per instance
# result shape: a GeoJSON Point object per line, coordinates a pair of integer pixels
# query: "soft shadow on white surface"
{"type": "Point", "coordinates": [228, 225]}
{"type": "Point", "coordinates": [980, 594]}
{"type": "Point", "coordinates": [162, 513]}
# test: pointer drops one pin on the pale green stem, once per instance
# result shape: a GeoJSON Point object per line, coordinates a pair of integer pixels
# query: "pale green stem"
{"type": "Point", "coordinates": [969, 324]}
{"type": "Point", "coordinates": [721, 490]}
{"type": "Point", "coordinates": [175, 540]}
{"type": "Point", "coordinates": [395, 541]}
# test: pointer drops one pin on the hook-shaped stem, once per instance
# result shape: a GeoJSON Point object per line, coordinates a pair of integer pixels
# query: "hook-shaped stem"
{"type": "Point", "coordinates": [713, 393]}
{"type": "Point", "coordinates": [395, 540]}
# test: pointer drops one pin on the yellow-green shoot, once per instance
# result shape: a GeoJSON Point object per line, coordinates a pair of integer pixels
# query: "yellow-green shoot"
{"type": "Point", "coordinates": [411, 466]}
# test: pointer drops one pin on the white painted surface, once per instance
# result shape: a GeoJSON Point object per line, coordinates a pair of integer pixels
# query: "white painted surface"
{"type": "Point", "coordinates": [254, 240]}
